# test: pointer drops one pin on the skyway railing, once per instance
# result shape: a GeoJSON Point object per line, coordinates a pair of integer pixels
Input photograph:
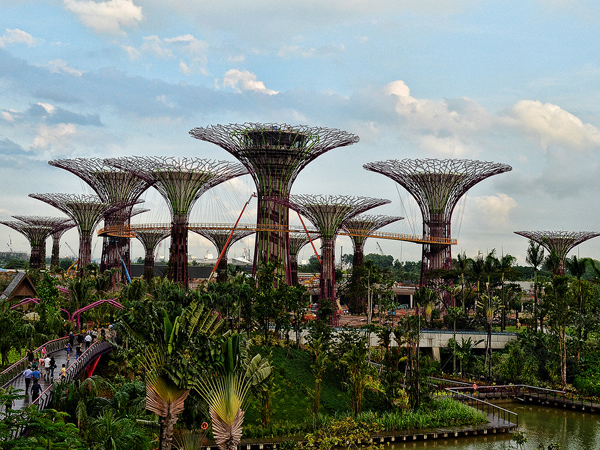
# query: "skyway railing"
{"type": "Point", "coordinates": [130, 231]}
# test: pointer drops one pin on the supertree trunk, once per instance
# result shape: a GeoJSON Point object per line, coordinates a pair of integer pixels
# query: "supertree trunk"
{"type": "Point", "coordinates": [35, 259]}
{"type": "Point", "coordinates": [294, 268]}
{"type": "Point", "coordinates": [328, 272]}
{"type": "Point", "coordinates": [358, 261]}
{"type": "Point", "coordinates": [85, 250]}
{"type": "Point", "coordinates": [222, 270]}
{"type": "Point", "coordinates": [273, 246]}
{"type": "Point", "coordinates": [178, 265]}
{"type": "Point", "coordinates": [149, 264]}
{"type": "Point", "coordinates": [55, 258]}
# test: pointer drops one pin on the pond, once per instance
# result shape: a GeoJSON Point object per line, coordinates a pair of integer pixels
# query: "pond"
{"type": "Point", "coordinates": [573, 430]}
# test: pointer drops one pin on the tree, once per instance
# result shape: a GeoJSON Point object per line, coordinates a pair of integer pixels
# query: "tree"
{"type": "Point", "coordinates": [535, 258]}
{"type": "Point", "coordinates": [317, 348]}
{"type": "Point", "coordinates": [462, 265]}
{"type": "Point", "coordinates": [559, 299]}
{"type": "Point", "coordinates": [226, 390]}
{"type": "Point", "coordinates": [577, 268]}
{"type": "Point", "coordinates": [358, 372]}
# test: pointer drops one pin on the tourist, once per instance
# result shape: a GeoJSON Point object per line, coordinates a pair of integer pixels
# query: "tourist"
{"type": "Point", "coordinates": [44, 352]}
{"type": "Point", "coordinates": [71, 338]}
{"type": "Point", "coordinates": [63, 371]}
{"type": "Point", "coordinates": [35, 391]}
{"type": "Point", "coordinates": [80, 339]}
{"type": "Point", "coordinates": [35, 375]}
{"type": "Point", "coordinates": [52, 367]}
{"type": "Point", "coordinates": [30, 356]}
{"type": "Point", "coordinates": [103, 334]}
{"type": "Point", "coordinates": [28, 375]}
{"type": "Point", "coordinates": [68, 348]}
{"type": "Point", "coordinates": [41, 364]}
{"type": "Point", "coordinates": [77, 352]}
{"type": "Point", "coordinates": [88, 340]}
{"type": "Point", "coordinates": [47, 366]}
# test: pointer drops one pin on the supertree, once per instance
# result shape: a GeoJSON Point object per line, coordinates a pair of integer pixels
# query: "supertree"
{"type": "Point", "coordinates": [359, 228]}
{"type": "Point", "coordinates": [437, 185]}
{"type": "Point", "coordinates": [150, 238]}
{"type": "Point", "coordinates": [559, 242]}
{"type": "Point", "coordinates": [58, 225]}
{"type": "Point", "coordinates": [297, 241]}
{"type": "Point", "coordinates": [327, 213]}
{"type": "Point", "coordinates": [111, 185]}
{"type": "Point", "coordinates": [36, 235]}
{"type": "Point", "coordinates": [86, 211]}
{"type": "Point", "coordinates": [274, 155]}
{"type": "Point", "coordinates": [220, 239]}
{"type": "Point", "coordinates": [181, 181]}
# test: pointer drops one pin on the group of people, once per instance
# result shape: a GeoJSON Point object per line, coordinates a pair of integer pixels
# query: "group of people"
{"type": "Point", "coordinates": [38, 368]}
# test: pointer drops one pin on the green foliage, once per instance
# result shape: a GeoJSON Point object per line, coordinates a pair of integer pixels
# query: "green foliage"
{"type": "Point", "coordinates": [342, 432]}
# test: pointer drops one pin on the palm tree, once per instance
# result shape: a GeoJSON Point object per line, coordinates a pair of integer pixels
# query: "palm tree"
{"type": "Point", "coordinates": [461, 266]}
{"type": "Point", "coordinates": [478, 271]}
{"type": "Point", "coordinates": [535, 257]}
{"type": "Point", "coordinates": [504, 265]}
{"type": "Point", "coordinates": [227, 390]}
{"type": "Point", "coordinates": [108, 432]}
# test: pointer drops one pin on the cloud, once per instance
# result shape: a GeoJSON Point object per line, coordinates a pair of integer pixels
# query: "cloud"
{"type": "Point", "coordinates": [553, 125]}
{"type": "Point", "coordinates": [133, 52]}
{"type": "Point", "coordinates": [17, 36]}
{"type": "Point", "coordinates": [53, 115]}
{"type": "Point", "coordinates": [48, 137]}
{"type": "Point", "coordinates": [190, 45]}
{"type": "Point", "coordinates": [492, 210]}
{"type": "Point", "coordinates": [247, 81]}
{"type": "Point", "coordinates": [58, 66]}
{"type": "Point", "coordinates": [9, 115]}
{"type": "Point", "coordinates": [295, 51]}
{"type": "Point", "coordinates": [153, 44]}
{"type": "Point", "coordinates": [106, 17]}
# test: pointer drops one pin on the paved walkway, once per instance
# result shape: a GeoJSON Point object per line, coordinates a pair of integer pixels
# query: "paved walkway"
{"type": "Point", "coordinates": [60, 357]}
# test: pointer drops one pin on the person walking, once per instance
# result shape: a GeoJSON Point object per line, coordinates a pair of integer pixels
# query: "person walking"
{"type": "Point", "coordinates": [35, 375]}
{"type": "Point", "coordinates": [27, 374]}
{"type": "Point", "coordinates": [35, 391]}
{"type": "Point", "coordinates": [88, 340]}
{"type": "Point", "coordinates": [63, 371]}
{"type": "Point", "coordinates": [52, 367]}
{"type": "Point", "coordinates": [47, 367]}
{"type": "Point", "coordinates": [30, 356]}
{"type": "Point", "coordinates": [77, 352]}
{"type": "Point", "coordinates": [71, 338]}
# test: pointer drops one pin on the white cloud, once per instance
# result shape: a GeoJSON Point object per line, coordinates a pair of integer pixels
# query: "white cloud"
{"type": "Point", "coordinates": [106, 17]}
{"type": "Point", "coordinates": [8, 116]}
{"type": "Point", "coordinates": [133, 52]}
{"type": "Point", "coordinates": [552, 124]}
{"type": "Point", "coordinates": [295, 51]}
{"type": "Point", "coordinates": [58, 66]}
{"type": "Point", "coordinates": [236, 58]}
{"type": "Point", "coordinates": [247, 81]}
{"type": "Point", "coordinates": [184, 67]}
{"type": "Point", "coordinates": [153, 44]}
{"type": "Point", "coordinates": [53, 136]}
{"type": "Point", "coordinates": [50, 109]}
{"type": "Point", "coordinates": [190, 45]}
{"type": "Point", "coordinates": [17, 36]}
{"type": "Point", "coordinates": [492, 210]}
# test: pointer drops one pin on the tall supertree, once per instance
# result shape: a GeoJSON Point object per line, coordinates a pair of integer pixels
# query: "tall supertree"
{"type": "Point", "coordinates": [327, 213]}
{"type": "Point", "coordinates": [559, 242]}
{"type": "Point", "coordinates": [297, 241]}
{"type": "Point", "coordinates": [150, 238]}
{"type": "Point", "coordinates": [181, 181]}
{"type": "Point", "coordinates": [36, 235]}
{"type": "Point", "coordinates": [219, 239]}
{"type": "Point", "coordinates": [111, 185]}
{"type": "Point", "coordinates": [86, 211]}
{"type": "Point", "coordinates": [359, 228]}
{"type": "Point", "coordinates": [274, 155]}
{"type": "Point", "coordinates": [437, 185]}
{"type": "Point", "coordinates": [58, 226]}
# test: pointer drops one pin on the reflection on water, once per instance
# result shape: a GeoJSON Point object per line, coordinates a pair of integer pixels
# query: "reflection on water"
{"type": "Point", "coordinates": [573, 430]}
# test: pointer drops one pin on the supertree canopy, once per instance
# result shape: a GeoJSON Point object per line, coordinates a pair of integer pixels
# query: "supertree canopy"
{"type": "Point", "coordinates": [274, 154]}
{"type": "Point", "coordinates": [181, 181]}
{"type": "Point", "coordinates": [559, 242]}
{"type": "Point", "coordinates": [327, 213]}
{"type": "Point", "coordinates": [297, 241]}
{"type": "Point", "coordinates": [86, 211]}
{"type": "Point", "coordinates": [150, 238]}
{"type": "Point", "coordinates": [111, 185]}
{"type": "Point", "coordinates": [36, 235]}
{"type": "Point", "coordinates": [437, 185]}
{"type": "Point", "coordinates": [359, 228]}
{"type": "Point", "coordinates": [58, 226]}
{"type": "Point", "coordinates": [220, 239]}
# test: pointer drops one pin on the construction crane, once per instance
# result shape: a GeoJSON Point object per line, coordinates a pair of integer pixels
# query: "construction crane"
{"type": "Point", "coordinates": [379, 247]}
{"type": "Point", "coordinates": [72, 251]}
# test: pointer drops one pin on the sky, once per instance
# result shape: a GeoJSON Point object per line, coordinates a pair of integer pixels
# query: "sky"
{"type": "Point", "coordinates": [514, 82]}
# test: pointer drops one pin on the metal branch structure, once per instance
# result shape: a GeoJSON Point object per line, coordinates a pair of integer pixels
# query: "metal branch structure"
{"type": "Point", "coordinates": [560, 242]}
{"type": "Point", "coordinates": [36, 235]}
{"type": "Point", "coordinates": [360, 227]}
{"type": "Point", "coordinates": [86, 211]}
{"type": "Point", "coordinates": [297, 241]}
{"type": "Point", "coordinates": [58, 226]}
{"type": "Point", "coordinates": [111, 185]}
{"type": "Point", "coordinates": [327, 213]}
{"type": "Point", "coordinates": [274, 154]}
{"type": "Point", "coordinates": [150, 239]}
{"type": "Point", "coordinates": [181, 181]}
{"type": "Point", "coordinates": [219, 239]}
{"type": "Point", "coordinates": [437, 185]}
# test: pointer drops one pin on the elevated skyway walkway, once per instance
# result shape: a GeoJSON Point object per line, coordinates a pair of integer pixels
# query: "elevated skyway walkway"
{"type": "Point", "coordinates": [130, 231]}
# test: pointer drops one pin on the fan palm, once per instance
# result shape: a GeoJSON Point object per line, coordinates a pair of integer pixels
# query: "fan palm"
{"type": "Point", "coordinates": [535, 257]}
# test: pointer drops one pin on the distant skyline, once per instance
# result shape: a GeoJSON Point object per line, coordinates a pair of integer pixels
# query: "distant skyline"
{"type": "Point", "coordinates": [510, 82]}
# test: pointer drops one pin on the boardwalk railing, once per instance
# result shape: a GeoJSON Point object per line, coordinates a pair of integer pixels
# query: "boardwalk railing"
{"type": "Point", "coordinates": [9, 374]}
{"type": "Point", "coordinates": [497, 412]}
{"type": "Point", "coordinates": [95, 350]}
